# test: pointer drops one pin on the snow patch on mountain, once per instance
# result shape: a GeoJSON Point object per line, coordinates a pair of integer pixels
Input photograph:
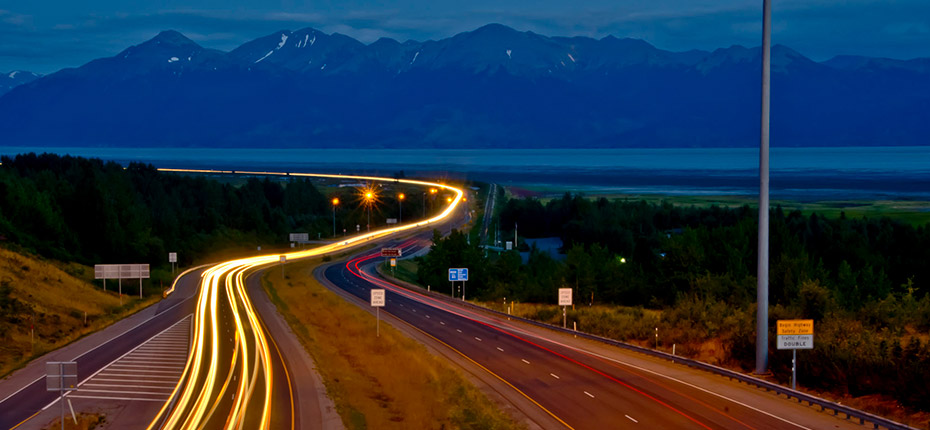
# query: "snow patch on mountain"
{"type": "Point", "coordinates": [283, 41]}
{"type": "Point", "coordinates": [509, 51]}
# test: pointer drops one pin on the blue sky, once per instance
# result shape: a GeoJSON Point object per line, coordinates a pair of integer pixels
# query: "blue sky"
{"type": "Point", "coordinates": [44, 36]}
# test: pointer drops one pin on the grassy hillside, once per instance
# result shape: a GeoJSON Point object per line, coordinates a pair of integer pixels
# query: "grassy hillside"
{"type": "Point", "coordinates": [39, 294]}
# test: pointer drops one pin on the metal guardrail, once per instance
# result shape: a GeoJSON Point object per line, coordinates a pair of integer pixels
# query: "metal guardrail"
{"type": "Point", "coordinates": [863, 417]}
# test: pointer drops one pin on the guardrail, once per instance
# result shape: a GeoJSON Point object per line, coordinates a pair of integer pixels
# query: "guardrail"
{"type": "Point", "coordinates": [863, 417]}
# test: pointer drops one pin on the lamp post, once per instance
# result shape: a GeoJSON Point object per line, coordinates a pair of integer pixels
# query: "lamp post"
{"type": "Point", "coordinates": [400, 204]}
{"type": "Point", "coordinates": [762, 276]}
{"type": "Point", "coordinates": [369, 196]}
{"type": "Point", "coordinates": [335, 203]}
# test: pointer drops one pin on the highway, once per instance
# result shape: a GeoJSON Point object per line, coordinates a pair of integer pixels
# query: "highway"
{"type": "Point", "coordinates": [573, 384]}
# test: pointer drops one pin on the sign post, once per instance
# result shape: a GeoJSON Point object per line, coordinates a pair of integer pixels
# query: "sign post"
{"type": "Point", "coordinates": [172, 258]}
{"type": "Point", "coordinates": [283, 260]}
{"type": "Point", "coordinates": [565, 300]}
{"type": "Point", "coordinates": [61, 376]}
{"type": "Point", "coordinates": [120, 272]}
{"type": "Point", "coordinates": [460, 274]}
{"type": "Point", "coordinates": [795, 335]}
{"type": "Point", "coordinates": [377, 301]}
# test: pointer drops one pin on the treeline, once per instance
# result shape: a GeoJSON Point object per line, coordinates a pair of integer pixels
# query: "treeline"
{"type": "Point", "coordinates": [864, 281]}
{"type": "Point", "coordinates": [90, 211]}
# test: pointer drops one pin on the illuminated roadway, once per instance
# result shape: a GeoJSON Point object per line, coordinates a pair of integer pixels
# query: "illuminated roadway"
{"type": "Point", "coordinates": [571, 384]}
{"type": "Point", "coordinates": [235, 376]}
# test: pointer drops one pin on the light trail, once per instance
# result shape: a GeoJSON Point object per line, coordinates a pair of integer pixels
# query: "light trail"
{"type": "Point", "coordinates": [200, 399]}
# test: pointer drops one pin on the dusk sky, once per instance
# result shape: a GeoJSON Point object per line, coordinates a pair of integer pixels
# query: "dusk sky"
{"type": "Point", "coordinates": [44, 36]}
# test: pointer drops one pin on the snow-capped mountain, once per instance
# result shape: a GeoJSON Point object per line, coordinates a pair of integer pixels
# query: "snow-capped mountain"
{"type": "Point", "coordinates": [15, 78]}
{"type": "Point", "coordinates": [491, 87]}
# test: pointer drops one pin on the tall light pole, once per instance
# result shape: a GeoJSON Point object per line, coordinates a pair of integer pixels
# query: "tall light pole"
{"type": "Point", "coordinates": [335, 203]}
{"type": "Point", "coordinates": [400, 204]}
{"type": "Point", "coordinates": [369, 196]}
{"type": "Point", "coordinates": [762, 277]}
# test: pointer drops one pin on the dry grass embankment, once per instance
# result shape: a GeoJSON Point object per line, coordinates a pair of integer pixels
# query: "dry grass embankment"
{"type": "Point", "coordinates": [38, 293]}
{"type": "Point", "coordinates": [84, 422]}
{"type": "Point", "coordinates": [391, 382]}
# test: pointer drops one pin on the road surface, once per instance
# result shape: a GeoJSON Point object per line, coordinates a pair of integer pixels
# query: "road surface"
{"type": "Point", "coordinates": [574, 383]}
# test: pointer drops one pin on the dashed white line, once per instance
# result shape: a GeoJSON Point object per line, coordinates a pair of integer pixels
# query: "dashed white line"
{"type": "Point", "coordinates": [478, 338]}
{"type": "Point", "coordinates": [427, 316]}
{"type": "Point", "coordinates": [589, 394]}
{"type": "Point", "coordinates": [440, 322]}
{"type": "Point", "coordinates": [500, 349]}
{"type": "Point", "coordinates": [631, 418]}
{"type": "Point", "coordinates": [458, 330]}
{"type": "Point", "coordinates": [554, 376]}
{"type": "Point", "coordinates": [524, 360]}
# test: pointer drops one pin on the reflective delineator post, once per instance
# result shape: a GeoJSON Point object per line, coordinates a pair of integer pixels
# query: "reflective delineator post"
{"type": "Point", "coordinates": [762, 278]}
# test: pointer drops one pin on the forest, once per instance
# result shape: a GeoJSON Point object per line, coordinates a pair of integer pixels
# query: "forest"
{"type": "Point", "coordinates": [90, 211]}
{"type": "Point", "coordinates": [865, 282]}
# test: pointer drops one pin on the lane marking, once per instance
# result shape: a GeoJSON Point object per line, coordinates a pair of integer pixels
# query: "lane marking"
{"type": "Point", "coordinates": [117, 398]}
{"type": "Point", "coordinates": [524, 360]}
{"type": "Point", "coordinates": [427, 316]}
{"type": "Point", "coordinates": [500, 349]}
{"type": "Point", "coordinates": [478, 338]}
{"type": "Point", "coordinates": [554, 376]}
{"type": "Point", "coordinates": [440, 322]}
{"type": "Point", "coordinates": [589, 394]}
{"type": "Point", "coordinates": [631, 418]}
{"type": "Point", "coordinates": [458, 330]}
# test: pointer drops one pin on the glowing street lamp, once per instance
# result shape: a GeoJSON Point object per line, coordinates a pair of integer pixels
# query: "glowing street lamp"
{"type": "Point", "coordinates": [400, 204]}
{"type": "Point", "coordinates": [369, 200]}
{"type": "Point", "coordinates": [335, 203]}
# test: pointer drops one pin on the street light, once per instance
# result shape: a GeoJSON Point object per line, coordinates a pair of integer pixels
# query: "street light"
{"type": "Point", "coordinates": [369, 198]}
{"type": "Point", "coordinates": [400, 204]}
{"type": "Point", "coordinates": [335, 203]}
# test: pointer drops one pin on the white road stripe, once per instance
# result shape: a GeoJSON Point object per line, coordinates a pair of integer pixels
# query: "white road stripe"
{"type": "Point", "coordinates": [458, 330]}
{"type": "Point", "coordinates": [554, 376]}
{"type": "Point", "coordinates": [631, 418]}
{"type": "Point", "coordinates": [524, 360]}
{"type": "Point", "coordinates": [440, 322]}
{"type": "Point", "coordinates": [500, 349]}
{"type": "Point", "coordinates": [116, 398]}
{"type": "Point", "coordinates": [589, 394]}
{"type": "Point", "coordinates": [478, 338]}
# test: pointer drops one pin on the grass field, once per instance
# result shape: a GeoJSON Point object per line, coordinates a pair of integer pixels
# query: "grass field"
{"type": "Point", "coordinates": [60, 305]}
{"type": "Point", "coordinates": [389, 382]}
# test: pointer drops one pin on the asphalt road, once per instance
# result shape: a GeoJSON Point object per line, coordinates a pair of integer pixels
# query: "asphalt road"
{"type": "Point", "coordinates": [574, 386]}
{"type": "Point", "coordinates": [92, 354]}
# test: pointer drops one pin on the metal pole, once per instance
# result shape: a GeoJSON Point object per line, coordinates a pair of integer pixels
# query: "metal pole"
{"type": "Point", "coordinates": [334, 220]}
{"type": "Point", "coordinates": [400, 203]}
{"type": "Point", "coordinates": [794, 369]}
{"type": "Point", "coordinates": [120, 290]}
{"type": "Point", "coordinates": [61, 392]}
{"type": "Point", "coordinates": [564, 315]}
{"type": "Point", "coordinates": [762, 277]}
{"type": "Point", "coordinates": [378, 326]}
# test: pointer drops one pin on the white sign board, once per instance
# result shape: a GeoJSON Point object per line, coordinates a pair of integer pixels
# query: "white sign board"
{"type": "Point", "coordinates": [377, 297]}
{"type": "Point", "coordinates": [172, 257]}
{"type": "Point", "coordinates": [393, 262]}
{"type": "Point", "coordinates": [61, 376]}
{"type": "Point", "coordinates": [121, 271]}
{"type": "Point", "coordinates": [508, 245]}
{"type": "Point", "coordinates": [796, 341]}
{"type": "Point", "coordinates": [458, 275]}
{"type": "Point", "coordinates": [392, 220]}
{"type": "Point", "coordinates": [565, 296]}
{"type": "Point", "coordinates": [299, 237]}
{"type": "Point", "coordinates": [283, 258]}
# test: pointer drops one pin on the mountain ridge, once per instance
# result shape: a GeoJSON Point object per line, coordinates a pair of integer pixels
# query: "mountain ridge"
{"type": "Point", "coordinates": [491, 87]}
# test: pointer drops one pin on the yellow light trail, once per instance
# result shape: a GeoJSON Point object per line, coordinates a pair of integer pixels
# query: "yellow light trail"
{"type": "Point", "coordinates": [199, 393]}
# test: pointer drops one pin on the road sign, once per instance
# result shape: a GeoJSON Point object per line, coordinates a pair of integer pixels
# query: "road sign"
{"type": "Point", "coordinates": [458, 275]}
{"type": "Point", "coordinates": [377, 297]}
{"type": "Point", "coordinates": [283, 258]}
{"type": "Point", "coordinates": [392, 220]}
{"type": "Point", "coordinates": [299, 237]}
{"type": "Point", "coordinates": [795, 341]}
{"type": "Point", "coordinates": [795, 327]}
{"type": "Point", "coordinates": [121, 271]}
{"type": "Point", "coordinates": [172, 257]}
{"type": "Point", "coordinates": [565, 296]}
{"type": "Point", "coordinates": [393, 262]}
{"type": "Point", "coordinates": [61, 376]}
{"type": "Point", "coordinates": [391, 252]}
{"type": "Point", "coordinates": [508, 245]}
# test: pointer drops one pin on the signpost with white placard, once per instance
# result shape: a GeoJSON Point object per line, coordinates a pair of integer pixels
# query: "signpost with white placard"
{"type": "Point", "coordinates": [795, 335]}
{"type": "Point", "coordinates": [377, 301]}
{"type": "Point", "coordinates": [173, 259]}
{"type": "Point", "coordinates": [565, 300]}
{"type": "Point", "coordinates": [299, 237]}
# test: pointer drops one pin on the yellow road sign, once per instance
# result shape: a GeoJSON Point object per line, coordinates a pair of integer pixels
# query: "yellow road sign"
{"type": "Point", "coordinates": [795, 327]}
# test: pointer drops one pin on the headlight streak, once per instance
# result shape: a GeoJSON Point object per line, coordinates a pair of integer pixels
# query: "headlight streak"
{"type": "Point", "coordinates": [198, 392]}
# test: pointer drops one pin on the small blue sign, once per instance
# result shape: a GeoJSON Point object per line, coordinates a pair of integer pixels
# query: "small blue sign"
{"type": "Point", "coordinates": [458, 275]}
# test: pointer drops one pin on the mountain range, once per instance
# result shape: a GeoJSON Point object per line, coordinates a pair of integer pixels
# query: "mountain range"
{"type": "Point", "coordinates": [488, 88]}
